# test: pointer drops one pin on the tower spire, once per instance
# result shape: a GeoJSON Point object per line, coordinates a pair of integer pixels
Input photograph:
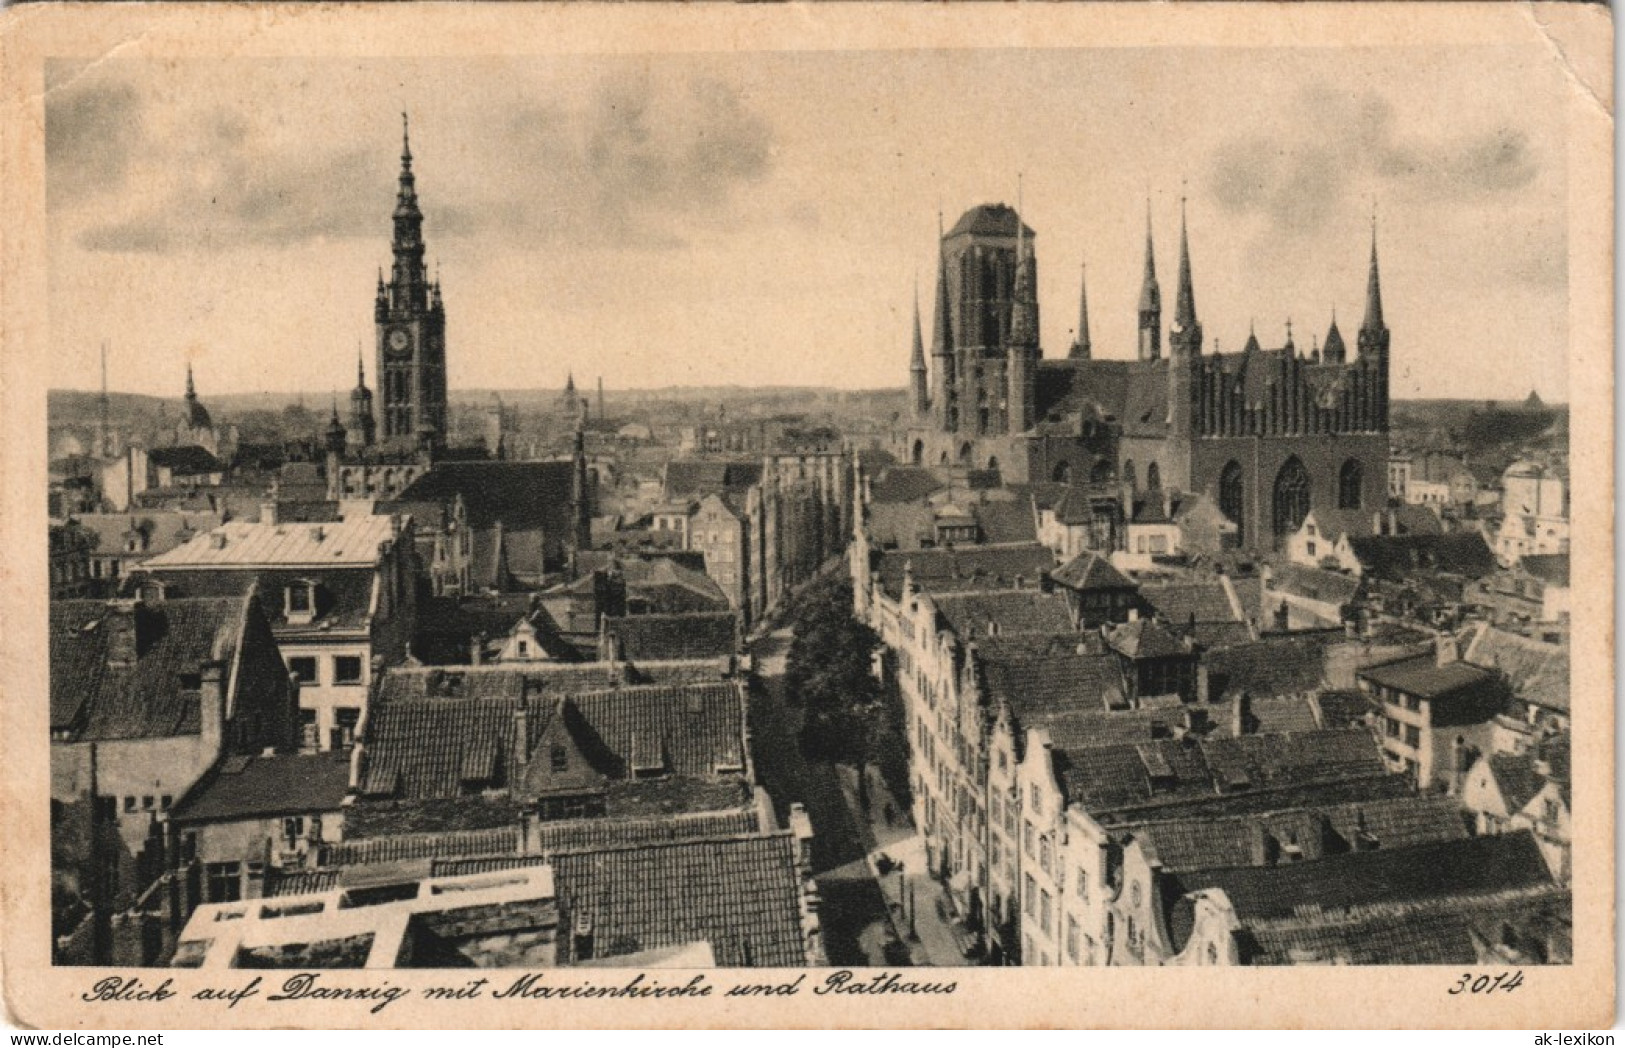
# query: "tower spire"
{"type": "Point", "coordinates": [1373, 288]}
{"type": "Point", "coordinates": [916, 360]}
{"type": "Point", "coordinates": [406, 140]}
{"type": "Point", "coordinates": [1150, 298]}
{"type": "Point", "coordinates": [191, 390]}
{"type": "Point", "coordinates": [1185, 303]}
{"type": "Point", "coordinates": [1080, 345]}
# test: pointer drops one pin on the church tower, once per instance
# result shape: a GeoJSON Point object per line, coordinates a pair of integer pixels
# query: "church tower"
{"type": "Point", "coordinates": [1023, 350]}
{"type": "Point", "coordinates": [1373, 337]}
{"type": "Point", "coordinates": [945, 389]}
{"type": "Point", "coordinates": [919, 393]}
{"type": "Point", "coordinates": [1080, 344]}
{"type": "Point", "coordinates": [1150, 299]}
{"type": "Point", "coordinates": [411, 328]}
{"type": "Point", "coordinates": [362, 432]}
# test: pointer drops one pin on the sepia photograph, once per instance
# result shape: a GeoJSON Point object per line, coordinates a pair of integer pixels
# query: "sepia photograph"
{"type": "Point", "coordinates": [691, 514]}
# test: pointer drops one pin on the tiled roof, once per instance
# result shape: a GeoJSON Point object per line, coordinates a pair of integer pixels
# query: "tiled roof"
{"type": "Point", "coordinates": [258, 787]}
{"type": "Point", "coordinates": [588, 834]}
{"type": "Point", "coordinates": [352, 542]}
{"type": "Point", "coordinates": [189, 460]}
{"type": "Point", "coordinates": [1004, 521]}
{"type": "Point", "coordinates": [1439, 869]}
{"type": "Point", "coordinates": [1145, 639]}
{"type": "Point", "coordinates": [1329, 587]}
{"type": "Point", "coordinates": [1235, 840]}
{"type": "Point", "coordinates": [1178, 602]}
{"type": "Point", "coordinates": [685, 478]}
{"type": "Point", "coordinates": [1132, 392]}
{"type": "Point", "coordinates": [974, 615]}
{"type": "Point", "coordinates": [498, 840]}
{"type": "Point", "coordinates": [439, 746]}
{"type": "Point", "coordinates": [740, 894]}
{"type": "Point", "coordinates": [1276, 664]}
{"type": "Point", "coordinates": [901, 525]}
{"type": "Point", "coordinates": [1550, 568]}
{"type": "Point", "coordinates": [695, 636]}
{"type": "Point", "coordinates": [1090, 571]}
{"type": "Point", "coordinates": [1538, 672]}
{"type": "Point", "coordinates": [1037, 688]}
{"type": "Point", "coordinates": [1359, 523]}
{"type": "Point", "coordinates": [155, 697]}
{"type": "Point", "coordinates": [1422, 676]}
{"type": "Point", "coordinates": [520, 496]}
{"type": "Point", "coordinates": [965, 567]}
{"type": "Point", "coordinates": [161, 530]}
{"type": "Point", "coordinates": [1118, 777]}
{"type": "Point", "coordinates": [1395, 557]}
{"type": "Point", "coordinates": [1432, 931]}
{"type": "Point", "coordinates": [1517, 778]}
{"type": "Point", "coordinates": [343, 594]}
{"type": "Point", "coordinates": [903, 484]}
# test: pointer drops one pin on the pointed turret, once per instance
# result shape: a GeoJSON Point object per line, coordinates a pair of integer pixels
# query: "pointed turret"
{"type": "Point", "coordinates": [1185, 337]}
{"type": "Point", "coordinates": [1334, 351]}
{"type": "Point", "coordinates": [1252, 339]}
{"type": "Point", "coordinates": [1373, 337]}
{"type": "Point", "coordinates": [1080, 345]}
{"type": "Point", "coordinates": [920, 393]}
{"type": "Point", "coordinates": [362, 429]}
{"type": "Point", "coordinates": [191, 390]}
{"type": "Point", "coordinates": [1150, 299]}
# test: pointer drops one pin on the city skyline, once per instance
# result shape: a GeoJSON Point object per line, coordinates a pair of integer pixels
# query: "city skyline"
{"type": "Point", "coordinates": [692, 220]}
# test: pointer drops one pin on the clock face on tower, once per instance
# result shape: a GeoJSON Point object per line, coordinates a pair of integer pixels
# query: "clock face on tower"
{"type": "Point", "coordinates": [399, 341]}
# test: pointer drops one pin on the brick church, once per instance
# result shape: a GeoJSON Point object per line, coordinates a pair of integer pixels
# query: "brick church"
{"type": "Point", "coordinates": [1265, 433]}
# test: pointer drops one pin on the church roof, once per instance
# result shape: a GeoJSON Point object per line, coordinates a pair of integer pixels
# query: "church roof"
{"type": "Point", "coordinates": [993, 220]}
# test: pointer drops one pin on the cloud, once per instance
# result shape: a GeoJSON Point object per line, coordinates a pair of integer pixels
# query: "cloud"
{"type": "Point", "coordinates": [624, 164]}
{"type": "Point", "coordinates": [90, 132]}
{"type": "Point", "coordinates": [1328, 145]}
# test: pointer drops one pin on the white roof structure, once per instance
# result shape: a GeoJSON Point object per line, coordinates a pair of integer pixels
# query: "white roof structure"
{"type": "Point", "coordinates": [354, 542]}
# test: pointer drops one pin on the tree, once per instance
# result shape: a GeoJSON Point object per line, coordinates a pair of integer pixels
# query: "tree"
{"type": "Point", "coordinates": [829, 671]}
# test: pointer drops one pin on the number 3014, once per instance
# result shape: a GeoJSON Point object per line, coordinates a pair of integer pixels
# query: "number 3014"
{"type": "Point", "coordinates": [1487, 983]}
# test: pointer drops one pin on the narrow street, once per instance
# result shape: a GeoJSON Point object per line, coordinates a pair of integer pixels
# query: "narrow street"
{"type": "Point", "coordinates": [857, 925]}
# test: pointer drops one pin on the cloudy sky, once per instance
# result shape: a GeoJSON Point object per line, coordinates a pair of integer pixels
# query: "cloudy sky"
{"type": "Point", "coordinates": [762, 218]}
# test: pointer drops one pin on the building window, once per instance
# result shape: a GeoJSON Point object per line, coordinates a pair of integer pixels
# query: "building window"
{"type": "Point", "coordinates": [1083, 884]}
{"type": "Point", "coordinates": [300, 599]}
{"type": "Point", "coordinates": [1045, 907]}
{"type": "Point", "coordinates": [293, 827]}
{"type": "Point", "coordinates": [558, 758]}
{"type": "Point", "coordinates": [1043, 853]}
{"type": "Point", "coordinates": [1027, 838]}
{"type": "Point", "coordinates": [1232, 499]}
{"type": "Point", "coordinates": [129, 804]}
{"type": "Point", "coordinates": [1291, 497]}
{"type": "Point", "coordinates": [303, 667]}
{"type": "Point", "coordinates": [345, 720]}
{"type": "Point", "coordinates": [1072, 938]}
{"type": "Point", "coordinates": [346, 669]}
{"type": "Point", "coordinates": [309, 736]}
{"type": "Point", "coordinates": [1037, 807]}
{"type": "Point", "coordinates": [224, 883]}
{"type": "Point", "coordinates": [1029, 900]}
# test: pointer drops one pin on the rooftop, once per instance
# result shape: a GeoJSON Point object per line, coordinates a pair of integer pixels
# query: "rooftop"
{"type": "Point", "coordinates": [251, 787]}
{"type": "Point", "coordinates": [354, 542]}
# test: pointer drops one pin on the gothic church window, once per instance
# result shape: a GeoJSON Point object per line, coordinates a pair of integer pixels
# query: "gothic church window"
{"type": "Point", "coordinates": [1128, 476]}
{"type": "Point", "coordinates": [1231, 498]}
{"type": "Point", "coordinates": [1062, 474]}
{"type": "Point", "coordinates": [1291, 497]}
{"type": "Point", "coordinates": [1349, 483]}
{"type": "Point", "coordinates": [1153, 477]}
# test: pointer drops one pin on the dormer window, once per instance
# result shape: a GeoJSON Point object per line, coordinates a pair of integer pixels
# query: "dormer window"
{"type": "Point", "coordinates": [300, 601]}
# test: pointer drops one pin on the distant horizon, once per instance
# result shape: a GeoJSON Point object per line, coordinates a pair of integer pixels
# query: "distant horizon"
{"type": "Point", "coordinates": [766, 219]}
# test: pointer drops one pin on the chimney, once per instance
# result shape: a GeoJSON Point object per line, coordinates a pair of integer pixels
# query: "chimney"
{"type": "Point", "coordinates": [801, 825]}
{"type": "Point", "coordinates": [318, 533]}
{"type": "Point", "coordinates": [127, 640]}
{"type": "Point", "coordinates": [1393, 522]}
{"type": "Point", "coordinates": [1202, 682]}
{"type": "Point", "coordinates": [521, 742]}
{"type": "Point", "coordinates": [268, 512]}
{"type": "Point", "coordinates": [1265, 849]}
{"type": "Point", "coordinates": [1444, 650]}
{"type": "Point", "coordinates": [212, 706]}
{"type": "Point", "coordinates": [1046, 582]}
{"type": "Point", "coordinates": [476, 650]}
{"type": "Point", "coordinates": [1239, 714]}
{"type": "Point", "coordinates": [1376, 523]}
{"type": "Point", "coordinates": [217, 539]}
{"type": "Point", "coordinates": [1133, 614]}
